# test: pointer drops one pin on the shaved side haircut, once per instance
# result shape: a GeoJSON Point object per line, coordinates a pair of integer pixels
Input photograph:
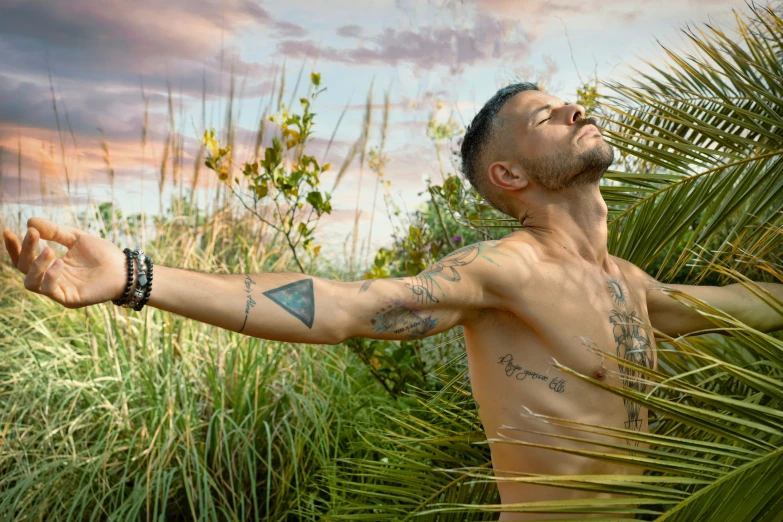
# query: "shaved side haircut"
{"type": "Point", "coordinates": [478, 145]}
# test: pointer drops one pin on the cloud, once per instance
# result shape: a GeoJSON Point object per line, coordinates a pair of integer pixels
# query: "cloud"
{"type": "Point", "coordinates": [116, 35]}
{"type": "Point", "coordinates": [428, 47]}
{"type": "Point", "coordinates": [121, 42]}
{"type": "Point", "coordinates": [349, 31]}
{"type": "Point", "coordinates": [290, 29]}
{"type": "Point", "coordinates": [536, 11]}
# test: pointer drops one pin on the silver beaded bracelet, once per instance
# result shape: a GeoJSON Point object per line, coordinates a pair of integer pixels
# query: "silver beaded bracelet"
{"type": "Point", "coordinates": [141, 281]}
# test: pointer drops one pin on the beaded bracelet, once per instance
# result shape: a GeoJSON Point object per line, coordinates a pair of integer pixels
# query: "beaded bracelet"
{"type": "Point", "coordinates": [141, 293]}
{"type": "Point", "coordinates": [122, 300]}
{"type": "Point", "coordinates": [141, 281]}
{"type": "Point", "coordinates": [149, 285]}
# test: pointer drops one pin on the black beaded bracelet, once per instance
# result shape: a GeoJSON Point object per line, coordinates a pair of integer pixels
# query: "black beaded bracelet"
{"type": "Point", "coordinates": [146, 298]}
{"type": "Point", "coordinates": [122, 300]}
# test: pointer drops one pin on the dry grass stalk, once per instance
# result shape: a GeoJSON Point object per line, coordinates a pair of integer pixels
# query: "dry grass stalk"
{"type": "Point", "coordinates": [19, 177]}
{"type": "Point", "coordinates": [379, 173]}
{"type": "Point", "coordinates": [282, 88]}
{"type": "Point", "coordinates": [363, 151]}
{"type": "Point", "coordinates": [2, 151]}
{"type": "Point", "coordinates": [59, 133]}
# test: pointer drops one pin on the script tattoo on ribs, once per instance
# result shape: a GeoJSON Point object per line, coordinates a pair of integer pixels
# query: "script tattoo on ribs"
{"type": "Point", "coordinates": [250, 301]}
{"type": "Point", "coordinates": [398, 318]}
{"type": "Point", "coordinates": [514, 370]}
{"type": "Point", "coordinates": [633, 345]}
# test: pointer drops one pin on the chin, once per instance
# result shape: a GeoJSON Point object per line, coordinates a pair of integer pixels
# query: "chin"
{"type": "Point", "coordinates": [594, 164]}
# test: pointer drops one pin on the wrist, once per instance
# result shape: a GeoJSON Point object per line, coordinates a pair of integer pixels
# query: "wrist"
{"type": "Point", "coordinates": [123, 278]}
{"type": "Point", "coordinates": [137, 280]}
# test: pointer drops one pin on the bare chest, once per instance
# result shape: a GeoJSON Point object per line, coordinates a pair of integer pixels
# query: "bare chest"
{"type": "Point", "coordinates": [587, 323]}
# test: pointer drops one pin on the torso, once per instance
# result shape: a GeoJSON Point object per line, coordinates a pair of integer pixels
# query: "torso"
{"type": "Point", "coordinates": [566, 312]}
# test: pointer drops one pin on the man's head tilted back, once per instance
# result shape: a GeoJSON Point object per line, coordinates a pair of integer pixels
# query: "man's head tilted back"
{"type": "Point", "coordinates": [526, 138]}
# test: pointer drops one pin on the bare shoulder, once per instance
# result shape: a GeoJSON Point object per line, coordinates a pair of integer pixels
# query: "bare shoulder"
{"type": "Point", "coordinates": [633, 272]}
{"type": "Point", "coordinates": [499, 267]}
{"type": "Point", "coordinates": [512, 256]}
{"type": "Point", "coordinates": [484, 258]}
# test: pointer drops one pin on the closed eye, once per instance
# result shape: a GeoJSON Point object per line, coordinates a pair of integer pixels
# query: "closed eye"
{"type": "Point", "coordinates": [542, 121]}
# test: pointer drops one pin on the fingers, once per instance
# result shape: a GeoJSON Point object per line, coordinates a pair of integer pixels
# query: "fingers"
{"type": "Point", "coordinates": [49, 285]}
{"type": "Point", "coordinates": [49, 230]}
{"type": "Point", "coordinates": [37, 271]}
{"type": "Point", "coordinates": [12, 246]}
{"type": "Point", "coordinates": [29, 250]}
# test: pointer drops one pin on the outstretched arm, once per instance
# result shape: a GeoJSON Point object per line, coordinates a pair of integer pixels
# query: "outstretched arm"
{"type": "Point", "coordinates": [277, 306]}
{"type": "Point", "coordinates": [761, 312]}
{"type": "Point", "coordinates": [674, 318]}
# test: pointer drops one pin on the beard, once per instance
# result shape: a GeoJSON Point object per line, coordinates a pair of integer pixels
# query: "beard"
{"type": "Point", "coordinates": [563, 170]}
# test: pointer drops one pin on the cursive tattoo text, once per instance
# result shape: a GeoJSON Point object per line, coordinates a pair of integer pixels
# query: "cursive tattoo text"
{"type": "Point", "coordinates": [250, 301]}
{"type": "Point", "coordinates": [398, 318]}
{"type": "Point", "coordinates": [517, 372]}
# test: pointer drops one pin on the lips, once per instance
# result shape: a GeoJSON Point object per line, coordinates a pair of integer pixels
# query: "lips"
{"type": "Point", "coordinates": [587, 130]}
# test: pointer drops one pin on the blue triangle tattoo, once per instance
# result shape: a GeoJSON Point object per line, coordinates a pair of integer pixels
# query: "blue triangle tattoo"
{"type": "Point", "coordinates": [297, 299]}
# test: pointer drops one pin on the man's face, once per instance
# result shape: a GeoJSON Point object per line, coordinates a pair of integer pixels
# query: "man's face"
{"type": "Point", "coordinates": [554, 143]}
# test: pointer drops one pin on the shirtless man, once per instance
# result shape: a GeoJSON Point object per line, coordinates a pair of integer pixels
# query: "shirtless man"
{"type": "Point", "coordinates": [541, 293]}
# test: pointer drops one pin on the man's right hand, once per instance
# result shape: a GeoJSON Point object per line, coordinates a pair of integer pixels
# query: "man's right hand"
{"type": "Point", "coordinates": [92, 271]}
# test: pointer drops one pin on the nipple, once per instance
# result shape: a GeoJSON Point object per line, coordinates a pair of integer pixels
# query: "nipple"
{"type": "Point", "coordinates": [600, 373]}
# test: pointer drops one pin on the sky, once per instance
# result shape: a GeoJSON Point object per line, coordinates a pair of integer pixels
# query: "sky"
{"type": "Point", "coordinates": [108, 67]}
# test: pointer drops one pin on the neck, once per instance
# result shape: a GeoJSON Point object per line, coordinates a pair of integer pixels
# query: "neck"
{"type": "Point", "coordinates": [568, 223]}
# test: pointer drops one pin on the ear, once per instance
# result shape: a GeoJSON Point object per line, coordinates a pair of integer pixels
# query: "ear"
{"type": "Point", "coordinates": [507, 176]}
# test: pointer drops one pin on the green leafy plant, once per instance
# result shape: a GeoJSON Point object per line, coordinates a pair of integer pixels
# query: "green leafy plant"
{"type": "Point", "coordinates": [284, 180]}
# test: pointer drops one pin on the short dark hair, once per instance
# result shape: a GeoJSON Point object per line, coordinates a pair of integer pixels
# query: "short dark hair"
{"type": "Point", "coordinates": [479, 133]}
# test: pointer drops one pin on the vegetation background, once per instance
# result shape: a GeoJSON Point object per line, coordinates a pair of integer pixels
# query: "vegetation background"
{"type": "Point", "coordinates": [110, 415]}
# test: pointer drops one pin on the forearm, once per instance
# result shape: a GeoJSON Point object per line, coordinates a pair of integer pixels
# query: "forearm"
{"type": "Point", "coordinates": [673, 318]}
{"type": "Point", "coordinates": [299, 308]}
{"type": "Point", "coordinates": [762, 312]}
{"type": "Point", "coordinates": [275, 306]}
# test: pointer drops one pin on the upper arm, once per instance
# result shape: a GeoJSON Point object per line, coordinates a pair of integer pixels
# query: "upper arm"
{"type": "Point", "coordinates": [437, 299]}
{"type": "Point", "coordinates": [674, 318]}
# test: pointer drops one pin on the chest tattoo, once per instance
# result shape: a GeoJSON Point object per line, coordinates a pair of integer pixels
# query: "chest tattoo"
{"type": "Point", "coordinates": [633, 345]}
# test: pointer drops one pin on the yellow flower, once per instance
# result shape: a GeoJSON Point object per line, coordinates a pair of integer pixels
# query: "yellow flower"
{"type": "Point", "coordinates": [211, 143]}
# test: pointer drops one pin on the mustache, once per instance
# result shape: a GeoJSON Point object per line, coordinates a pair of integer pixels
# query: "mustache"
{"type": "Point", "coordinates": [586, 121]}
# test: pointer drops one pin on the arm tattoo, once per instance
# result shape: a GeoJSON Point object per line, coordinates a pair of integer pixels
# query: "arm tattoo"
{"type": "Point", "coordinates": [424, 284]}
{"type": "Point", "coordinates": [633, 345]}
{"type": "Point", "coordinates": [297, 299]}
{"type": "Point", "coordinates": [366, 285]}
{"type": "Point", "coordinates": [250, 302]}
{"type": "Point", "coordinates": [511, 369]}
{"type": "Point", "coordinates": [398, 318]}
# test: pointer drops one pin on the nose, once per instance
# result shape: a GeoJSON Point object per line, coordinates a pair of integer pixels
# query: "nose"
{"type": "Point", "coordinates": [577, 112]}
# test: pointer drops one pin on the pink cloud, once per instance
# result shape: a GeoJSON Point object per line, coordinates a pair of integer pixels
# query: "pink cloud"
{"type": "Point", "coordinates": [426, 47]}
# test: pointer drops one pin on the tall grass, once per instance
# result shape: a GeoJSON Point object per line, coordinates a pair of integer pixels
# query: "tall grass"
{"type": "Point", "coordinates": [107, 414]}
{"type": "Point", "coordinates": [110, 415]}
